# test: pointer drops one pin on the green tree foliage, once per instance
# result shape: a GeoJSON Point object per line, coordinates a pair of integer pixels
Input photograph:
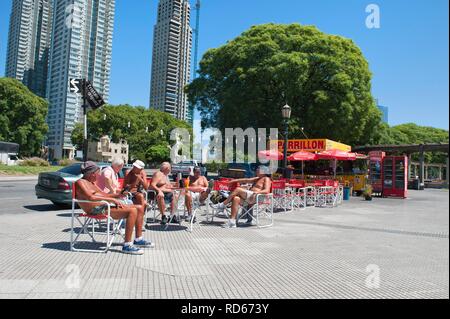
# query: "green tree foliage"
{"type": "Point", "coordinates": [22, 117]}
{"type": "Point", "coordinates": [414, 134]}
{"type": "Point", "coordinates": [151, 146]}
{"type": "Point", "coordinates": [324, 78]}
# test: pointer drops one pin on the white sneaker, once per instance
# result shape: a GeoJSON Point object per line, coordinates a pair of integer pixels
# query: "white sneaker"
{"type": "Point", "coordinates": [230, 224]}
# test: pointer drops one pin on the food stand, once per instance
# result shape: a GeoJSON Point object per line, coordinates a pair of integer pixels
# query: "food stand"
{"type": "Point", "coordinates": [356, 179]}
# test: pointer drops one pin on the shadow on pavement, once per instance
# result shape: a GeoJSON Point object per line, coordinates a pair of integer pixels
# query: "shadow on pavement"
{"type": "Point", "coordinates": [68, 215]}
{"type": "Point", "coordinates": [62, 246]}
{"type": "Point", "coordinates": [171, 228]}
{"type": "Point", "coordinates": [65, 246]}
{"type": "Point", "coordinates": [45, 208]}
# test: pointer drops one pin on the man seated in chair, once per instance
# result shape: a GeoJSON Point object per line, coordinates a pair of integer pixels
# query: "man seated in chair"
{"type": "Point", "coordinates": [87, 190]}
{"type": "Point", "coordinates": [164, 192]}
{"type": "Point", "coordinates": [136, 183]}
{"type": "Point", "coordinates": [198, 191]}
{"type": "Point", "coordinates": [108, 180]}
{"type": "Point", "coordinates": [262, 184]}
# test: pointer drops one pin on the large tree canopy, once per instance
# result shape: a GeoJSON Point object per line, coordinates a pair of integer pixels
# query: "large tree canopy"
{"type": "Point", "coordinates": [151, 146]}
{"type": "Point", "coordinates": [324, 78]}
{"type": "Point", "coordinates": [22, 117]}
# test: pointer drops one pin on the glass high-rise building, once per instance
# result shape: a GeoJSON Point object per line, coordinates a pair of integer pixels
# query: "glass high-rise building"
{"type": "Point", "coordinates": [81, 48]}
{"type": "Point", "coordinates": [29, 42]}
{"type": "Point", "coordinates": [385, 111]}
{"type": "Point", "coordinates": [171, 65]}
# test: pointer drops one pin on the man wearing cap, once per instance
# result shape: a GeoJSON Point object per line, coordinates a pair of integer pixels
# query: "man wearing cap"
{"type": "Point", "coordinates": [86, 189]}
{"type": "Point", "coordinates": [136, 182]}
{"type": "Point", "coordinates": [262, 184]}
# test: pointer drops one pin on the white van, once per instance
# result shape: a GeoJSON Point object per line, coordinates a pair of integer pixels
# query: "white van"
{"type": "Point", "coordinates": [9, 153]}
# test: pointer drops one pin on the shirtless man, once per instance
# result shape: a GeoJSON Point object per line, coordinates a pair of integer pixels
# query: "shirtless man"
{"type": "Point", "coordinates": [135, 182]}
{"type": "Point", "coordinates": [261, 184]}
{"type": "Point", "coordinates": [164, 191]}
{"type": "Point", "coordinates": [86, 189]}
{"type": "Point", "coordinates": [198, 190]}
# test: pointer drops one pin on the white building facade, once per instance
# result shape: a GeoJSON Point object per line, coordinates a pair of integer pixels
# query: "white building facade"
{"type": "Point", "coordinates": [171, 65]}
{"type": "Point", "coordinates": [81, 48]}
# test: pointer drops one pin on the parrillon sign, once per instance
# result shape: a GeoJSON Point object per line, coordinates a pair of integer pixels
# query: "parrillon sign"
{"type": "Point", "coordinates": [313, 145]}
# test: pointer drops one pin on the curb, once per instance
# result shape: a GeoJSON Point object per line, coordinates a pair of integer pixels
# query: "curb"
{"type": "Point", "coordinates": [18, 178]}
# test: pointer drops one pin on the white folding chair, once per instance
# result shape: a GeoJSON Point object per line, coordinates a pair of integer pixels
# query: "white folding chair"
{"type": "Point", "coordinates": [211, 212]}
{"type": "Point", "coordinates": [196, 208]}
{"type": "Point", "coordinates": [282, 196]}
{"type": "Point", "coordinates": [261, 212]}
{"type": "Point", "coordinates": [89, 223]}
{"type": "Point", "coordinates": [326, 196]}
{"type": "Point", "coordinates": [299, 198]}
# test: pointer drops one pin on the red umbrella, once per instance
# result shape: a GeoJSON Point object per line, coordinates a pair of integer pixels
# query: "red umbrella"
{"type": "Point", "coordinates": [302, 156]}
{"type": "Point", "coordinates": [270, 155]}
{"type": "Point", "coordinates": [337, 155]}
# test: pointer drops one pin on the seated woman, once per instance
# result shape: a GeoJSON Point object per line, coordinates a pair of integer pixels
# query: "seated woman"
{"type": "Point", "coordinates": [262, 184]}
{"type": "Point", "coordinates": [86, 189]}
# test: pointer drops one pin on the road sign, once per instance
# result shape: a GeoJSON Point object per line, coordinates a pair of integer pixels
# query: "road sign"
{"type": "Point", "coordinates": [93, 98]}
{"type": "Point", "coordinates": [76, 85]}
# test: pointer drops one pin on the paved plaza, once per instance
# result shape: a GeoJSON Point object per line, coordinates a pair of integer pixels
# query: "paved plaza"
{"type": "Point", "coordinates": [388, 248]}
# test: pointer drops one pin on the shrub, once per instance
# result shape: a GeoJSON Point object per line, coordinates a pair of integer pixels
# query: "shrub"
{"type": "Point", "coordinates": [66, 162]}
{"type": "Point", "coordinates": [34, 162]}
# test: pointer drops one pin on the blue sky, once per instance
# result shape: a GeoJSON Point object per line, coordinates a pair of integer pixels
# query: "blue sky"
{"type": "Point", "coordinates": [408, 55]}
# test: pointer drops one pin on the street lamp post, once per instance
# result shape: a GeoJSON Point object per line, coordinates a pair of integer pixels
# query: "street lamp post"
{"type": "Point", "coordinates": [286, 113]}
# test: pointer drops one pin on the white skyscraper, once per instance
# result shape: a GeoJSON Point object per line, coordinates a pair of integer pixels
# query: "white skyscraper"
{"type": "Point", "coordinates": [29, 42]}
{"type": "Point", "coordinates": [81, 48]}
{"type": "Point", "coordinates": [171, 66]}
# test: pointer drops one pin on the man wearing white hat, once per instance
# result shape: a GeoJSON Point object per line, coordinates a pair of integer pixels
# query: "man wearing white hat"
{"type": "Point", "coordinates": [136, 182]}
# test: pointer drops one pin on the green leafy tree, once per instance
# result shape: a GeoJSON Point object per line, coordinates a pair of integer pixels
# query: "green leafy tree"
{"type": "Point", "coordinates": [22, 117]}
{"type": "Point", "coordinates": [151, 145]}
{"type": "Point", "coordinates": [411, 133]}
{"type": "Point", "coordinates": [324, 78]}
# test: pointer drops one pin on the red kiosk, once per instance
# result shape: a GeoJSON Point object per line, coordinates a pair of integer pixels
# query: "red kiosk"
{"type": "Point", "coordinates": [376, 171]}
{"type": "Point", "coordinates": [395, 176]}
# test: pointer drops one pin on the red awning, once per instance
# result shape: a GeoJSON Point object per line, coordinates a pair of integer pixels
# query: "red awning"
{"type": "Point", "coordinates": [302, 156]}
{"type": "Point", "coordinates": [270, 155]}
{"type": "Point", "coordinates": [337, 155]}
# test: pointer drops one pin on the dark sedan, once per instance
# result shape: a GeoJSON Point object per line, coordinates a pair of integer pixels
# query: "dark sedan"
{"type": "Point", "coordinates": [57, 186]}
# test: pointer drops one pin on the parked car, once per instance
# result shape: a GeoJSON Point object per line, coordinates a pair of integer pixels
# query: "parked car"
{"type": "Point", "coordinates": [57, 186]}
{"type": "Point", "coordinates": [239, 170]}
{"type": "Point", "coordinates": [186, 168]}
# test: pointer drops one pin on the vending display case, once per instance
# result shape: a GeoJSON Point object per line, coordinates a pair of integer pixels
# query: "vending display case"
{"type": "Point", "coordinates": [376, 171]}
{"type": "Point", "coordinates": [395, 176]}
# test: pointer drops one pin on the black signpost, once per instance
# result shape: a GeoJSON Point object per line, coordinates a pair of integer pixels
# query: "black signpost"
{"type": "Point", "coordinates": [91, 98]}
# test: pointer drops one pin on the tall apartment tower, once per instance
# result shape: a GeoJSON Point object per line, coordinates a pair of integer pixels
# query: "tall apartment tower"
{"type": "Point", "coordinates": [171, 67]}
{"type": "Point", "coordinates": [29, 43]}
{"type": "Point", "coordinates": [81, 48]}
